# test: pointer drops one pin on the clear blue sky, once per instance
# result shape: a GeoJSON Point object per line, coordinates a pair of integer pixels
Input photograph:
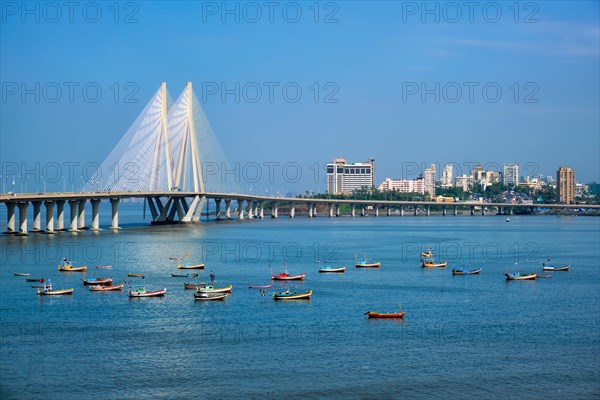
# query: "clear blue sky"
{"type": "Point", "coordinates": [374, 54]}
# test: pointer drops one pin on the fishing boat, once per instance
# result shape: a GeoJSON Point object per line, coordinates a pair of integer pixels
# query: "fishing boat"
{"type": "Point", "coordinates": [212, 289]}
{"type": "Point", "coordinates": [293, 295]}
{"type": "Point", "coordinates": [328, 269]}
{"type": "Point", "coordinates": [553, 268]}
{"type": "Point", "coordinates": [209, 297]}
{"type": "Point", "coordinates": [518, 276]}
{"type": "Point", "coordinates": [48, 290]}
{"type": "Point", "coordinates": [105, 288]}
{"type": "Point", "coordinates": [34, 280]}
{"type": "Point", "coordinates": [104, 266]}
{"type": "Point", "coordinates": [175, 258]}
{"type": "Point", "coordinates": [21, 274]}
{"type": "Point", "coordinates": [366, 264]}
{"type": "Point", "coordinates": [142, 292]}
{"type": "Point", "coordinates": [543, 276]}
{"type": "Point", "coordinates": [180, 275]}
{"type": "Point", "coordinates": [135, 275]}
{"type": "Point", "coordinates": [270, 285]}
{"type": "Point", "coordinates": [284, 276]}
{"type": "Point", "coordinates": [462, 271]}
{"type": "Point", "coordinates": [193, 285]}
{"type": "Point", "coordinates": [70, 268]}
{"type": "Point", "coordinates": [98, 281]}
{"type": "Point", "coordinates": [190, 266]}
{"type": "Point", "coordinates": [507, 219]}
{"type": "Point", "coordinates": [432, 264]}
{"type": "Point", "coordinates": [372, 314]}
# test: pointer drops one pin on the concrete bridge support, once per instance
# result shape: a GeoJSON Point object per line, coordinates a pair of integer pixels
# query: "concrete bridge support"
{"type": "Point", "coordinates": [428, 211]}
{"type": "Point", "coordinates": [353, 211]}
{"type": "Point", "coordinates": [74, 204]}
{"type": "Point", "coordinates": [416, 210]}
{"type": "Point", "coordinates": [455, 210]}
{"type": "Point", "coordinates": [377, 210]}
{"type": "Point", "coordinates": [388, 211]}
{"type": "Point", "coordinates": [37, 216]}
{"type": "Point", "coordinates": [337, 210]}
{"type": "Point", "coordinates": [261, 210]}
{"type": "Point", "coordinates": [472, 210]}
{"type": "Point", "coordinates": [81, 221]}
{"type": "Point", "coordinates": [23, 218]}
{"type": "Point", "coordinates": [240, 209]}
{"type": "Point", "coordinates": [250, 209]}
{"type": "Point", "coordinates": [95, 214]}
{"type": "Point", "coordinates": [275, 210]}
{"type": "Point", "coordinates": [482, 210]}
{"type": "Point", "coordinates": [114, 203]}
{"type": "Point", "coordinates": [10, 217]}
{"type": "Point", "coordinates": [331, 210]}
{"type": "Point", "coordinates": [60, 215]}
{"type": "Point", "coordinates": [217, 209]}
{"type": "Point", "coordinates": [311, 210]}
{"type": "Point", "coordinates": [362, 211]}
{"type": "Point", "coordinates": [49, 216]}
{"type": "Point", "coordinates": [227, 209]}
{"type": "Point", "coordinates": [402, 211]}
{"type": "Point", "coordinates": [293, 210]}
{"type": "Point", "coordinates": [444, 211]}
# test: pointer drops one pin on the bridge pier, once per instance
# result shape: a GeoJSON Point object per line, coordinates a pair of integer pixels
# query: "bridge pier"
{"type": "Point", "coordinates": [362, 210]}
{"type": "Point", "coordinates": [353, 211]}
{"type": "Point", "coordinates": [472, 210]}
{"type": "Point", "coordinates": [217, 209]}
{"type": "Point", "coordinates": [49, 216]}
{"type": "Point", "coordinates": [73, 225]}
{"type": "Point", "coordinates": [10, 217]}
{"type": "Point", "coordinates": [482, 210]}
{"type": "Point", "coordinates": [250, 209]}
{"type": "Point", "coordinates": [331, 210]}
{"type": "Point", "coordinates": [81, 222]}
{"type": "Point", "coordinates": [377, 210]}
{"type": "Point", "coordinates": [428, 211]}
{"type": "Point", "coordinates": [275, 209]}
{"type": "Point", "coordinates": [337, 210]}
{"type": "Point", "coordinates": [95, 214]}
{"type": "Point", "coordinates": [402, 211]}
{"type": "Point", "coordinates": [240, 209]}
{"type": "Point", "coordinates": [37, 216]}
{"type": "Point", "coordinates": [227, 209]}
{"type": "Point", "coordinates": [311, 207]}
{"type": "Point", "coordinates": [388, 211]}
{"type": "Point", "coordinates": [115, 213]}
{"type": "Point", "coordinates": [444, 211]}
{"type": "Point", "coordinates": [261, 211]}
{"type": "Point", "coordinates": [293, 210]}
{"type": "Point", "coordinates": [60, 215]}
{"type": "Point", "coordinates": [23, 218]}
{"type": "Point", "coordinates": [416, 210]}
{"type": "Point", "coordinates": [455, 211]}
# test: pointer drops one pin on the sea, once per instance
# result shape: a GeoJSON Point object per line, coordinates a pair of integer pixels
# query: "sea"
{"type": "Point", "coordinates": [476, 336]}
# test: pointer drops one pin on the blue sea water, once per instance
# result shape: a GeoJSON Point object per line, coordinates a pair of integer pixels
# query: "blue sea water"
{"type": "Point", "coordinates": [463, 336]}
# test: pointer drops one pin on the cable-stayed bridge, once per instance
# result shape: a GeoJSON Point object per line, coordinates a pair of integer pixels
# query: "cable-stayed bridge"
{"type": "Point", "coordinates": [160, 160]}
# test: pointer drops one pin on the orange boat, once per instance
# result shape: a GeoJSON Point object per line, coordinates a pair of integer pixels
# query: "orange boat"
{"type": "Point", "coordinates": [284, 276]}
{"type": "Point", "coordinates": [430, 264]}
{"type": "Point", "coordinates": [372, 314]}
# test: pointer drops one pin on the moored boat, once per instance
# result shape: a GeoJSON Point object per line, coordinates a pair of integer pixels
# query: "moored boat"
{"type": "Point", "coordinates": [104, 266]}
{"type": "Point", "coordinates": [270, 285]}
{"type": "Point", "coordinates": [284, 276]}
{"type": "Point", "coordinates": [553, 268]}
{"type": "Point", "coordinates": [366, 263]}
{"type": "Point", "coordinates": [190, 266]}
{"type": "Point", "coordinates": [372, 314]}
{"type": "Point", "coordinates": [193, 285]}
{"type": "Point", "coordinates": [21, 274]}
{"type": "Point", "coordinates": [70, 268]}
{"type": "Point", "coordinates": [41, 280]}
{"type": "Point", "coordinates": [292, 295]}
{"type": "Point", "coordinates": [175, 258]}
{"type": "Point", "coordinates": [142, 292]}
{"type": "Point", "coordinates": [433, 264]}
{"type": "Point", "coordinates": [212, 289]}
{"type": "Point", "coordinates": [180, 275]}
{"type": "Point", "coordinates": [328, 269]}
{"type": "Point", "coordinates": [48, 290]}
{"type": "Point", "coordinates": [105, 288]}
{"type": "Point", "coordinates": [462, 271]}
{"type": "Point", "coordinates": [98, 281]}
{"type": "Point", "coordinates": [518, 276]}
{"type": "Point", "coordinates": [135, 275]}
{"type": "Point", "coordinates": [209, 297]}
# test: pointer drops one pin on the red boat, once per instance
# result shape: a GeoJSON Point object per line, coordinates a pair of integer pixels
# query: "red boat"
{"type": "Point", "coordinates": [284, 276]}
{"type": "Point", "coordinates": [371, 314]}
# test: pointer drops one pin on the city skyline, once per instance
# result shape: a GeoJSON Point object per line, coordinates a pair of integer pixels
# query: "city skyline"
{"type": "Point", "coordinates": [378, 103]}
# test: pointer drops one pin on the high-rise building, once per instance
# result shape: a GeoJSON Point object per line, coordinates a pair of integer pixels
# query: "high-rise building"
{"type": "Point", "coordinates": [429, 177]}
{"type": "Point", "coordinates": [511, 174]}
{"type": "Point", "coordinates": [404, 185]}
{"type": "Point", "coordinates": [565, 182]}
{"type": "Point", "coordinates": [447, 176]}
{"type": "Point", "coordinates": [477, 173]}
{"type": "Point", "coordinates": [346, 178]}
{"type": "Point", "coordinates": [464, 182]}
